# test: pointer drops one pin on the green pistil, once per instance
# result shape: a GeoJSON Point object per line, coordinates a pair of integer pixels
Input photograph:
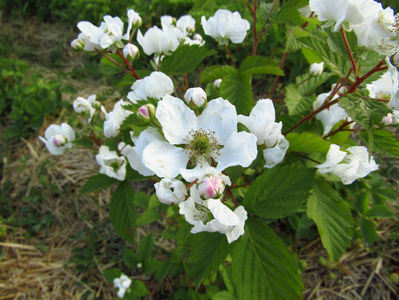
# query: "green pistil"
{"type": "Point", "coordinates": [201, 146]}
{"type": "Point", "coordinates": [115, 164]}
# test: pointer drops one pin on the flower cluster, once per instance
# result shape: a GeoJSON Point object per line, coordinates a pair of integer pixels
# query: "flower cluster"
{"type": "Point", "coordinates": [375, 27]}
{"type": "Point", "coordinates": [122, 283]}
{"type": "Point", "coordinates": [108, 36]}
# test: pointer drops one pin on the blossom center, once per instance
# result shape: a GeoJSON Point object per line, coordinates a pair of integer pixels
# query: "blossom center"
{"type": "Point", "coordinates": [201, 146]}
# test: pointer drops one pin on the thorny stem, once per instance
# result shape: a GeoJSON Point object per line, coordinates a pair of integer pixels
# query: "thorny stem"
{"type": "Point", "coordinates": [230, 56]}
{"type": "Point", "coordinates": [348, 48]}
{"type": "Point", "coordinates": [352, 88]}
{"type": "Point", "coordinates": [340, 128]}
{"type": "Point", "coordinates": [128, 64]}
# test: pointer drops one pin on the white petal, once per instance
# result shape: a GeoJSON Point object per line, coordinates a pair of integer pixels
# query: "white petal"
{"type": "Point", "coordinates": [164, 159]}
{"type": "Point", "coordinates": [222, 213]}
{"type": "Point", "coordinates": [219, 116]}
{"type": "Point", "coordinates": [176, 119]}
{"type": "Point", "coordinates": [275, 155]}
{"type": "Point", "coordinates": [240, 149]}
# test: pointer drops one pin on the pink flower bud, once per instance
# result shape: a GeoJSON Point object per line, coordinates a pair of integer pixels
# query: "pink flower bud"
{"type": "Point", "coordinates": [211, 187]}
{"type": "Point", "coordinates": [387, 120]}
{"type": "Point", "coordinates": [130, 51]}
{"type": "Point", "coordinates": [146, 111]}
{"type": "Point", "coordinates": [59, 140]}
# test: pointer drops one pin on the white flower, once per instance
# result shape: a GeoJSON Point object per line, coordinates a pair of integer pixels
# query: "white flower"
{"type": "Point", "coordinates": [186, 24]}
{"type": "Point", "coordinates": [276, 154]}
{"type": "Point", "coordinates": [329, 116]}
{"type": "Point", "coordinates": [122, 284]}
{"type": "Point", "coordinates": [340, 11]}
{"type": "Point", "coordinates": [225, 25]}
{"type": "Point", "coordinates": [134, 19]}
{"type": "Point", "coordinates": [261, 122]}
{"type": "Point", "coordinates": [130, 51]}
{"type": "Point", "coordinates": [158, 41]}
{"type": "Point", "coordinates": [115, 118]}
{"type": "Point", "coordinates": [213, 216]}
{"type": "Point", "coordinates": [89, 105]}
{"type": "Point", "coordinates": [111, 164]}
{"type": "Point", "coordinates": [58, 138]}
{"type": "Point", "coordinates": [211, 138]}
{"type": "Point", "coordinates": [316, 68]}
{"type": "Point", "coordinates": [156, 85]}
{"type": "Point", "coordinates": [217, 83]}
{"type": "Point", "coordinates": [170, 191]}
{"type": "Point", "coordinates": [348, 166]}
{"type": "Point", "coordinates": [379, 31]}
{"type": "Point", "coordinates": [386, 87]}
{"type": "Point", "coordinates": [195, 95]}
{"type": "Point", "coordinates": [167, 22]}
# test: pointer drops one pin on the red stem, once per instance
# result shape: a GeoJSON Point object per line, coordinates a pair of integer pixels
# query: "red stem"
{"type": "Point", "coordinates": [185, 81]}
{"type": "Point", "coordinates": [128, 64]}
{"type": "Point", "coordinates": [348, 48]}
{"type": "Point", "coordinates": [340, 128]}
{"type": "Point", "coordinates": [230, 56]}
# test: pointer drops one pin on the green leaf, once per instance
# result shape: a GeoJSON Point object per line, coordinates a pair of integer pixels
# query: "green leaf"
{"type": "Point", "coordinates": [111, 274]}
{"type": "Point", "coordinates": [122, 211]}
{"type": "Point", "coordinates": [262, 266]}
{"type": "Point", "coordinates": [237, 89]}
{"type": "Point", "coordinates": [139, 289]}
{"type": "Point", "coordinates": [332, 217]}
{"type": "Point", "coordinates": [384, 142]}
{"type": "Point", "coordinates": [97, 183]}
{"type": "Point", "coordinates": [366, 112]}
{"type": "Point", "coordinates": [295, 101]}
{"type": "Point", "coordinates": [279, 192]}
{"type": "Point", "coordinates": [208, 251]}
{"type": "Point", "coordinates": [145, 248]}
{"type": "Point", "coordinates": [307, 84]}
{"type": "Point", "coordinates": [130, 258]}
{"type": "Point", "coordinates": [368, 230]}
{"type": "Point", "coordinates": [380, 211]}
{"type": "Point", "coordinates": [293, 43]}
{"type": "Point", "coordinates": [338, 63]}
{"type": "Point", "coordinates": [307, 142]}
{"type": "Point", "coordinates": [223, 295]}
{"type": "Point", "coordinates": [84, 142]}
{"type": "Point", "coordinates": [257, 65]}
{"type": "Point", "coordinates": [212, 73]}
{"type": "Point", "coordinates": [185, 59]}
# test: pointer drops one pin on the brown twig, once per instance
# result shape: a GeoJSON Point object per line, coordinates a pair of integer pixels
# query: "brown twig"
{"type": "Point", "coordinates": [340, 128]}
{"type": "Point", "coordinates": [283, 60]}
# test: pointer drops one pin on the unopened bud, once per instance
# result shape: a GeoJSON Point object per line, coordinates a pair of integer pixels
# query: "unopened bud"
{"type": "Point", "coordinates": [316, 69]}
{"type": "Point", "coordinates": [211, 187]}
{"type": "Point", "coordinates": [130, 51]}
{"type": "Point", "coordinates": [196, 96]}
{"type": "Point", "coordinates": [77, 44]}
{"type": "Point", "coordinates": [217, 83]}
{"type": "Point", "coordinates": [146, 111]}
{"type": "Point", "coordinates": [59, 140]}
{"type": "Point", "coordinates": [387, 120]}
{"type": "Point", "coordinates": [198, 37]}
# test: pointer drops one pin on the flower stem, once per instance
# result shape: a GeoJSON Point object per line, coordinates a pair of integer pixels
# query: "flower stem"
{"type": "Point", "coordinates": [128, 64]}
{"type": "Point", "coordinates": [254, 28]}
{"type": "Point", "coordinates": [230, 56]}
